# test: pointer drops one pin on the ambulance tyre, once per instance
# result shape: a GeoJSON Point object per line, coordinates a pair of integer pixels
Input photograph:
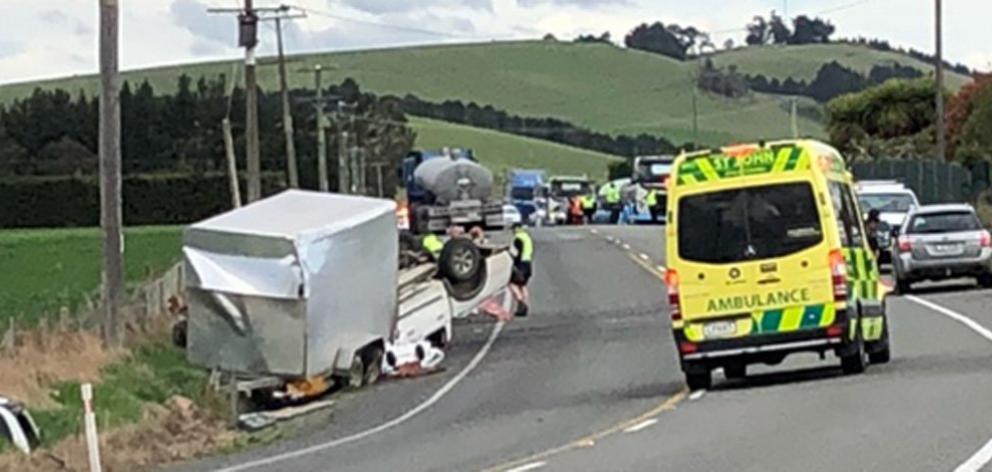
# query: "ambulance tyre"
{"type": "Point", "coordinates": [698, 380]}
{"type": "Point", "coordinates": [880, 353]}
{"type": "Point", "coordinates": [735, 371]}
{"type": "Point", "coordinates": [854, 362]}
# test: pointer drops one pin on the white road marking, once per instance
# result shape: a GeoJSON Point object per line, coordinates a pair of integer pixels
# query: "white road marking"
{"type": "Point", "coordinates": [610, 239]}
{"type": "Point", "coordinates": [983, 456]}
{"type": "Point", "coordinates": [981, 330]}
{"type": "Point", "coordinates": [526, 467]}
{"type": "Point", "coordinates": [697, 395]}
{"type": "Point", "coordinates": [626, 246]}
{"type": "Point", "coordinates": [661, 269]}
{"type": "Point", "coordinates": [639, 426]}
{"type": "Point", "coordinates": [644, 256]}
{"type": "Point", "coordinates": [441, 392]}
{"type": "Point", "coordinates": [978, 460]}
{"type": "Point", "coordinates": [594, 231]}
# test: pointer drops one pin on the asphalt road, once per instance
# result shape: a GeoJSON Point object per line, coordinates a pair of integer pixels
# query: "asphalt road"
{"type": "Point", "coordinates": [590, 381]}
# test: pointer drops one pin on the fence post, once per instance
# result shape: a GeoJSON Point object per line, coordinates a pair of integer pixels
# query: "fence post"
{"type": "Point", "coordinates": [92, 439]}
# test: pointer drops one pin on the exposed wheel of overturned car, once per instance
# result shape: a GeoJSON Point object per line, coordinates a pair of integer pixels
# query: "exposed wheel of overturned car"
{"type": "Point", "coordinates": [460, 261]}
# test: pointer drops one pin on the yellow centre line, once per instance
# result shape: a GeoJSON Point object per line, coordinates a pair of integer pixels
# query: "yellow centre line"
{"type": "Point", "coordinates": [590, 440]}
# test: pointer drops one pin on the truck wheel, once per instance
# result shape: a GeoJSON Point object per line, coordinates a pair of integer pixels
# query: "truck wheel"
{"type": "Point", "coordinates": [373, 365]}
{"type": "Point", "coordinates": [854, 363]}
{"type": "Point", "coordinates": [698, 380]}
{"type": "Point", "coordinates": [460, 261]}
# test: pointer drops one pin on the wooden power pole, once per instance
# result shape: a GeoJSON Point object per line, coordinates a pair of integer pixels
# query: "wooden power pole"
{"type": "Point", "coordinates": [283, 13]}
{"type": "Point", "coordinates": [321, 132]}
{"type": "Point", "coordinates": [110, 170]}
{"type": "Point", "coordinates": [941, 131]}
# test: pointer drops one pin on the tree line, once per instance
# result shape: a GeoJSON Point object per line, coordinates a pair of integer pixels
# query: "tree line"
{"type": "Point", "coordinates": [546, 128]}
{"type": "Point", "coordinates": [52, 132]}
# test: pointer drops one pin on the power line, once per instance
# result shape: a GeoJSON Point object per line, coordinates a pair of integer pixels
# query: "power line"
{"type": "Point", "coordinates": [377, 24]}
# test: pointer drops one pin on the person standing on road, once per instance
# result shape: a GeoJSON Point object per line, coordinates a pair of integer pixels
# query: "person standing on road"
{"type": "Point", "coordinates": [651, 201]}
{"type": "Point", "coordinates": [611, 195]}
{"type": "Point", "coordinates": [588, 206]}
{"type": "Point", "coordinates": [523, 256]}
{"type": "Point", "coordinates": [872, 223]}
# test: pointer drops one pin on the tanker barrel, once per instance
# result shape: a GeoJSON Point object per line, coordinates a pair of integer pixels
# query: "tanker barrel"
{"type": "Point", "coordinates": [450, 180]}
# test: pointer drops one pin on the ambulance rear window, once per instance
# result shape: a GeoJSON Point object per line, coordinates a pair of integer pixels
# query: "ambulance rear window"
{"type": "Point", "coordinates": [748, 223]}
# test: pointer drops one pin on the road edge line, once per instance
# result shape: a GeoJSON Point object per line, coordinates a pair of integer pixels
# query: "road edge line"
{"type": "Point", "coordinates": [441, 392]}
{"type": "Point", "coordinates": [983, 456]}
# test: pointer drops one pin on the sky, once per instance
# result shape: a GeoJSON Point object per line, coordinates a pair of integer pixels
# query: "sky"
{"type": "Point", "coordinates": [54, 38]}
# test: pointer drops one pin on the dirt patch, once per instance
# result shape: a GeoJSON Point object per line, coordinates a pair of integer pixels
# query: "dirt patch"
{"type": "Point", "coordinates": [179, 430]}
{"type": "Point", "coordinates": [46, 358]}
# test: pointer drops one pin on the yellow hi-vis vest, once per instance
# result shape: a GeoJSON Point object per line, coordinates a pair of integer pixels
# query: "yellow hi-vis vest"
{"type": "Point", "coordinates": [588, 202]}
{"type": "Point", "coordinates": [432, 244]}
{"type": "Point", "coordinates": [527, 245]}
{"type": "Point", "coordinates": [613, 194]}
{"type": "Point", "coordinates": [652, 199]}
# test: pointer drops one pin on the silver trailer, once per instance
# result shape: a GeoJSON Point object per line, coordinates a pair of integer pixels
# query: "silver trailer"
{"type": "Point", "coordinates": [297, 286]}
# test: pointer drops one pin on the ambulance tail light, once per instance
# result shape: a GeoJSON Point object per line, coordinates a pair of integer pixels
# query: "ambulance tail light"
{"type": "Point", "coordinates": [686, 347]}
{"type": "Point", "coordinates": [838, 275]}
{"type": "Point", "coordinates": [834, 331]}
{"type": "Point", "coordinates": [672, 281]}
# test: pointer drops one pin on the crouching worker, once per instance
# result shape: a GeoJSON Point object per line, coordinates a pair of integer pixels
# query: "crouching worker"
{"type": "Point", "coordinates": [523, 255]}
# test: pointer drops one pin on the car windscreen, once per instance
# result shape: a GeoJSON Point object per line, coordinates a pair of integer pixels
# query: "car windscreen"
{"type": "Point", "coordinates": [886, 202]}
{"type": "Point", "coordinates": [748, 223]}
{"type": "Point", "coordinates": [946, 222]}
{"type": "Point", "coordinates": [522, 193]}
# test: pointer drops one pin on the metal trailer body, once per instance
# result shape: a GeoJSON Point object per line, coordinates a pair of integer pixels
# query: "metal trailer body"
{"type": "Point", "coordinates": [293, 286]}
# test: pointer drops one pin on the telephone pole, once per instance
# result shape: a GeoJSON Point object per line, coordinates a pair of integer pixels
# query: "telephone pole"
{"type": "Point", "coordinates": [941, 132]}
{"type": "Point", "coordinates": [248, 39]}
{"type": "Point", "coordinates": [110, 169]}
{"type": "Point", "coordinates": [321, 132]}
{"type": "Point", "coordinates": [287, 117]}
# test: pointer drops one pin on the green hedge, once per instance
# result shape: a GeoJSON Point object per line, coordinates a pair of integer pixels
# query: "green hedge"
{"type": "Point", "coordinates": [53, 202]}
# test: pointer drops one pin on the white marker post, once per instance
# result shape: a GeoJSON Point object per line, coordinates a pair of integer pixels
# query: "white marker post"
{"type": "Point", "coordinates": [92, 440]}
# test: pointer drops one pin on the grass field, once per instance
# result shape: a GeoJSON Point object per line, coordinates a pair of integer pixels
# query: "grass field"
{"type": "Point", "coordinates": [803, 61]}
{"type": "Point", "coordinates": [500, 151]}
{"type": "Point", "coordinates": [47, 269]}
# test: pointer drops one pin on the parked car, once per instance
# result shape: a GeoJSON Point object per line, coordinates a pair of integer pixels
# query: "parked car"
{"type": "Point", "coordinates": [939, 242]}
{"type": "Point", "coordinates": [893, 200]}
{"type": "Point", "coordinates": [511, 215]}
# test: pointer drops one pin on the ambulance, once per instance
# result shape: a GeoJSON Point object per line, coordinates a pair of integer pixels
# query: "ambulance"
{"type": "Point", "coordinates": [767, 256]}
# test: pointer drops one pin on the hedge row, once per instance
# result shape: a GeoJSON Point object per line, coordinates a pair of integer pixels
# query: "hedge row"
{"type": "Point", "coordinates": [54, 202]}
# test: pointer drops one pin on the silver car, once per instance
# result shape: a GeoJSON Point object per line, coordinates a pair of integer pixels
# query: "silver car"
{"type": "Point", "coordinates": [938, 242]}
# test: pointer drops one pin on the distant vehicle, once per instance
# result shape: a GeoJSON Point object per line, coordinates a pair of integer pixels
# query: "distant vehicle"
{"type": "Point", "coordinates": [511, 215]}
{"type": "Point", "coordinates": [526, 189]}
{"type": "Point", "coordinates": [650, 173]}
{"type": "Point", "coordinates": [449, 187]}
{"type": "Point", "coordinates": [893, 200]}
{"type": "Point", "coordinates": [768, 258]}
{"type": "Point", "coordinates": [561, 189]}
{"type": "Point", "coordinates": [940, 242]}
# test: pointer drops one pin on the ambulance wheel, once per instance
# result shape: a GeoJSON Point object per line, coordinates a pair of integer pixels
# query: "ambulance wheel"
{"type": "Point", "coordinates": [855, 362]}
{"type": "Point", "coordinates": [698, 380]}
{"type": "Point", "coordinates": [735, 371]}
{"type": "Point", "coordinates": [881, 353]}
{"type": "Point", "coordinates": [373, 365]}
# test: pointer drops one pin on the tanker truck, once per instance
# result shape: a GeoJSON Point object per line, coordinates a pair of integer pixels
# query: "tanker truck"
{"type": "Point", "coordinates": [449, 187]}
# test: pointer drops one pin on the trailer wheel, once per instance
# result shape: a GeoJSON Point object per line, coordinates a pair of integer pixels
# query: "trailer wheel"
{"type": "Point", "coordinates": [356, 373]}
{"type": "Point", "coordinates": [460, 261]}
{"type": "Point", "coordinates": [373, 365]}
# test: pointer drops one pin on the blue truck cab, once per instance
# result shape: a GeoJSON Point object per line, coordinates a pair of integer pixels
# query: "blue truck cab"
{"type": "Point", "coordinates": [526, 191]}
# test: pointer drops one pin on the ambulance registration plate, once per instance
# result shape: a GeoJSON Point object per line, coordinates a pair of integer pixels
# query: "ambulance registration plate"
{"type": "Point", "coordinates": [720, 329]}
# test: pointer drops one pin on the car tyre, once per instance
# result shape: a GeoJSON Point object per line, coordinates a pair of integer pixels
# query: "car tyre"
{"type": "Point", "coordinates": [985, 280]}
{"type": "Point", "coordinates": [460, 261]}
{"type": "Point", "coordinates": [735, 371]}
{"type": "Point", "coordinates": [373, 365]}
{"type": "Point", "coordinates": [855, 362]}
{"type": "Point", "coordinates": [698, 380]}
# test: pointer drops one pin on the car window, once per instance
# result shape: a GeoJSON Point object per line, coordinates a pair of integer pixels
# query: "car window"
{"type": "Point", "coordinates": [947, 222]}
{"type": "Point", "coordinates": [522, 193]}
{"type": "Point", "coordinates": [748, 223]}
{"type": "Point", "coordinates": [837, 202]}
{"type": "Point", "coordinates": [887, 202]}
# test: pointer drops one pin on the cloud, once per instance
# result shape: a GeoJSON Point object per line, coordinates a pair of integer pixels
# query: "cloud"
{"type": "Point", "coordinates": [400, 6]}
{"type": "Point", "coordinates": [212, 32]}
{"type": "Point", "coordinates": [10, 48]}
{"type": "Point", "coordinates": [60, 20]}
{"type": "Point", "coordinates": [577, 3]}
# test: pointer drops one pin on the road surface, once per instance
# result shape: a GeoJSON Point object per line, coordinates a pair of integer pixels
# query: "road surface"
{"type": "Point", "coordinates": [591, 382]}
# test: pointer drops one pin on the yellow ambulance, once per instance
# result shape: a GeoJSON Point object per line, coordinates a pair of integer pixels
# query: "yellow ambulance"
{"type": "Point", "coordinates": [767, 256]}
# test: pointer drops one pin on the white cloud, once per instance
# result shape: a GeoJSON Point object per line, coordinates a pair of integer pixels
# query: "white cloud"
{"type": "Point", "coordinates": [57, 37]}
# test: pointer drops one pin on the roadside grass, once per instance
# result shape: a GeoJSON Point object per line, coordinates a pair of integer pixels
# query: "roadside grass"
{"type": "Point", "coordinates": [44, 270]}
{"type": "Point", "coordinates": [501, 151]}
{"type": "Point", "coordinates": [149, 375]}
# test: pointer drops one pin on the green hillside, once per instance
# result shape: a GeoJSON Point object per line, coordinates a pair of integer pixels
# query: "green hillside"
{"type": "Point", "coordinates": [500, 151]}
{"type": "Point", "coordinates": [803, 61]}
{"type": "Point", "coordinates": [603, 87]}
